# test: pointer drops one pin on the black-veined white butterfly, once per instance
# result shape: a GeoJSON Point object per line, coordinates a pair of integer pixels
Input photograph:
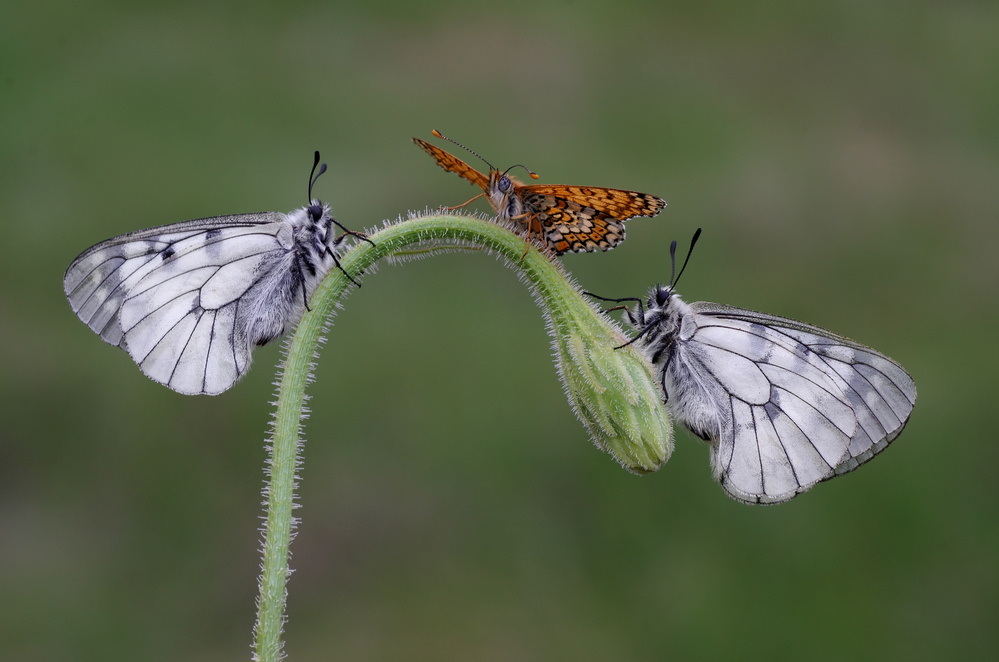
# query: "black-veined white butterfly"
{"type": "Point", "coordinates": [783, 405]}
{"type": "Point", "coordinates": [189, 301]}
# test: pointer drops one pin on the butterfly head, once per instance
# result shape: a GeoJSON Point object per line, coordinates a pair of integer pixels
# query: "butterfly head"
{"type": "Point", "coordinates": [316, 211]}
{"type": "Point", "coordinates": [659, 299]}
{"type": "Point", "coordinates": [502, 192]}
{"type": "Point", "coordinates": [501, 183]}
{"type": "Point", "coordinates": [657, 308]}
{"type": "Point", "coordinates": [502, 196]}
{"type": "Point", "coordinates": [318, 214]}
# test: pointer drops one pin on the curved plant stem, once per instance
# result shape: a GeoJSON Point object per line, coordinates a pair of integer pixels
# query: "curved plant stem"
{"type": "Point", "coordinates": [577, 328]}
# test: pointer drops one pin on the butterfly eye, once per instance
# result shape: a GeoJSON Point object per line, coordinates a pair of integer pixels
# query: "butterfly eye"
{"type": "Point", "coordinates": [315, 213]}
{"type": "Point", "coordinates": [662, 296]}
{"type": "Point", "coordinates": [504, 184]}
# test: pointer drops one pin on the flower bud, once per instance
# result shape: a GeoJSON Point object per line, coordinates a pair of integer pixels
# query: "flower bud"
{"type": "Point", "coordinates": [613, 391]}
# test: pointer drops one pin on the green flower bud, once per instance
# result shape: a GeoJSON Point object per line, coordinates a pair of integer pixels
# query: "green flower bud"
{"type": "Point", "coordinates": [613, 391]}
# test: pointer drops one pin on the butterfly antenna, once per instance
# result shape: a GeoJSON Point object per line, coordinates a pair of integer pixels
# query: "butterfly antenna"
{"type": "Point", "coordinates": [672, 255]}
{"type": "Point", "coordinates": [312, 180]}
{"type": "Point", "coordinates": [521, 165]}
{"type": "Point", "coordinates": [443, 137]}
{"type": "Point", "coordinates": [672, 260]}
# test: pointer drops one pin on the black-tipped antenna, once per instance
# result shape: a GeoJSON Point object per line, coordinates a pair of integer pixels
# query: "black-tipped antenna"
{"type": "Point", "coordinates": [672, 261]}
{"type": "Point", "coordinates": [312, 180]}
{"type": "Point", "coordinates": [672, 255]}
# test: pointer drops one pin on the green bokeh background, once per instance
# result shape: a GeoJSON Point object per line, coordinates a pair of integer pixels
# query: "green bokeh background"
{"type": "Point", "coordinates": [843, 159]}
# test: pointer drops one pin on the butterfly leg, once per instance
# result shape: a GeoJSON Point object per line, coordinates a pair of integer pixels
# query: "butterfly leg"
{"type": "Point", "coordinates": [305, 297]}
{"type": "Point", "coordinates": [641, 334]}
{"type": "Point", "coordinates": [530, 227]}
{"type": "Point", "coordinates": [670, 349]}
{"type": "Point", "coordinates": [635, 319]}
{"type": "Point", "coordinates": [359, 235]}
{"type": "Point", "coordinates": [544, 248]}
{"type": "Point", "coordinates": [338, 239]}
{"type": "Point", "coordinates": [466, 202]}
{"type": "Point", "coordinates": [621, 300]}
{"type": "Point", "coordinates": [340, 266]}
{"type": "Point", "coordinates": [527, 237]}
{"type": "Point", "coordinates": [297, 271]}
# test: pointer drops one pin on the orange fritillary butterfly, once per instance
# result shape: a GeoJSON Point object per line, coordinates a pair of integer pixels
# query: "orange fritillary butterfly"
{"type": "Point", "coordinates": [567, 218]}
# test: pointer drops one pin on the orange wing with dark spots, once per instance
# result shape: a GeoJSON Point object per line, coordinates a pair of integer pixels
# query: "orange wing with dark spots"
{"type": "Point", "coordinates": [453, 164]}
{"type": "Point", "coordinates": [616, 203]}
{"type": "Point", "coordinates": [585, 218]}
{"type": "Point", "coordinates": [567, 218]}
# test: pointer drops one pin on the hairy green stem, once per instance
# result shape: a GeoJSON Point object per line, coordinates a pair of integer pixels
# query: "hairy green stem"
{"type": "Point", "coordinates": [613, 392]}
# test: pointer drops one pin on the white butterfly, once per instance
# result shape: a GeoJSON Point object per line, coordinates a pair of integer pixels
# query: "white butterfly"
{"type": "Point", "coordinates": [782, 404]}
{"type": "Point", "coordinates": [188, 301]}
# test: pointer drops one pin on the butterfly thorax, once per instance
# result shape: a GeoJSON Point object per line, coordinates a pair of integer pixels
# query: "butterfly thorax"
{"type": "Point", "coordinates": [312, 226]}
{"type": "Point", "coordinates": [661, 321]}
{"type": "Point", "coordinates": [288, 279]}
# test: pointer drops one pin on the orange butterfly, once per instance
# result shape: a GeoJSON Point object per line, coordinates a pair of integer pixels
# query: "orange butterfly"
{"type": "Point", "coordinates": [567, 218]}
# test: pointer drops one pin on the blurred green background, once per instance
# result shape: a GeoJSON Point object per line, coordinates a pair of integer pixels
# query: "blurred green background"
{"type": "Point", "coordinates": [843, 159]}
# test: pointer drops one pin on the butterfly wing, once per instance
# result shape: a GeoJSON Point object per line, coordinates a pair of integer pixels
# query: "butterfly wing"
{"type": "Point", "coordinates": [797, 404]}
{"type": "Point", "coordinates": [453, 164]}
{"type": "Point", "coordinates": [880, 391]}
{"type": "Point", "coordinates": [615, 203]}
{"type": "Point", "coordinates": [170, 296]}
{"type": "Point", "coordinates": [584, 218]}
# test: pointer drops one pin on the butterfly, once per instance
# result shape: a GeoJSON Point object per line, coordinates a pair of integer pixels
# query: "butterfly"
{"type": "Point", "coordinates": [783, 405]}
{"type": "Point", "coordinates": [567, 218]}
{"type": "Point", "coordinates": [189, 301]}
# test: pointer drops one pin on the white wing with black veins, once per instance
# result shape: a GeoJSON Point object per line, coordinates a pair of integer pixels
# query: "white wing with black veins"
{"type": "Point", "coordinates": [171, 296]}
{"type": "Point", "coordinates": [798, 404]}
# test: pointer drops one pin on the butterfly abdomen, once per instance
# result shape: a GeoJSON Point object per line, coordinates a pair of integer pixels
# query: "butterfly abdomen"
{"type": "Point", "coordinates": [690, 398]}
{"type": "Point", "coordinates": [270, 305]}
